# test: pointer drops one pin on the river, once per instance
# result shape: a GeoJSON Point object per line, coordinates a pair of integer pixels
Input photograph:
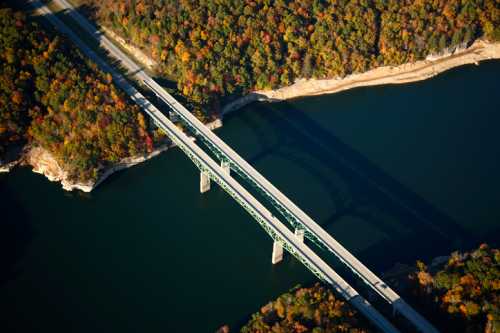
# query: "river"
{"type": "Point", "coordinates": [395, 173]}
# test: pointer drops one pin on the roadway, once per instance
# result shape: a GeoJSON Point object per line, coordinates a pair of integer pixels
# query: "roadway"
{"type": "Point", "coordinates": [276, 229]}
{"type": "Point", "coordinates": [255, 177]}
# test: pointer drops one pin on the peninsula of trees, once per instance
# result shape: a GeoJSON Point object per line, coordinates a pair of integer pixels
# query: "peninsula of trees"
{"type": "Point", "coordinates": [215, 49]}
{"type": "Point", "coordinates": [466, 291]}
{"type": "Point", "coordinates": [54, 98]}
{"type": "Point", "coordinates": [314, 309]}
{"type": "Point", "coordinates": [463, 296]}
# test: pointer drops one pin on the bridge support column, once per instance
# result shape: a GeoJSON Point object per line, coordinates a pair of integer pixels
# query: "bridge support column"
{"type": "Point", "coordinates": [225, 167]}
{"type": "Point", "coordinates": [299, 234]}
{"type": "Point", "coordinates": [277, 252]}
{"type": "Point", "coordinates": [204, 182]}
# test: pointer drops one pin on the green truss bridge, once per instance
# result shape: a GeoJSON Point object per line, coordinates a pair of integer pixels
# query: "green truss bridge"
{"type": "Point", "coordinates": [219, 172]}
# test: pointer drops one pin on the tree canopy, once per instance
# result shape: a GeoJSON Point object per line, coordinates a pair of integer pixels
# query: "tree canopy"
{"type": "Point", "coordinates": [229, 47]}
{"type": "Point", "coordinates": [466, 289]}
{"type": "Point", "coordinates": [314, 309]}
{"type": "Point", "coordinates": [51, 96]}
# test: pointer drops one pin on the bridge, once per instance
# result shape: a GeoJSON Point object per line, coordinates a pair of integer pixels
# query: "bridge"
{"type": "Point", "coordinates": [230, 160]}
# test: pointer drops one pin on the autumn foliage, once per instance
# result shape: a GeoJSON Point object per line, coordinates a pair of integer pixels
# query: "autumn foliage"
{"type": "Point", "coordinates": [314, 309]}
{"type": "Point", "coordinates": [224, 48]}
{"type": "Point", "coordinates": [51, 96]}
{"type": "Point", "coordinates": [467, 289]}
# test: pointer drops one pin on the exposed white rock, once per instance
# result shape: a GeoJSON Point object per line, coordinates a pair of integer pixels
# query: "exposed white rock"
{"type": "Point", "coordinates": [44, 163]}
{"type": "Point", "coordinates": [411, 72]}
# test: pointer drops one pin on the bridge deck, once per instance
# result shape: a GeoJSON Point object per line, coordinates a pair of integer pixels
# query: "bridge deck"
{"type": "Point", "coordinates": [303, 219]}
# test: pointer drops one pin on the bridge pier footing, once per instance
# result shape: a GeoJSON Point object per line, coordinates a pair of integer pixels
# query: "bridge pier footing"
{"type": "Point", "coordinates": [204, 182]}
{"type": "Point", "coordinates": [225, 167]}
{"type": "Point", "coordinates": [299, 234]}
{"type": "Point", "coordinates": [277, 252]}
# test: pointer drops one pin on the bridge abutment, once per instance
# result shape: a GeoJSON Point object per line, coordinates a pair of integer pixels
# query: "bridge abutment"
{"type": "Point", "coordinates": [277, 252]}
{"type": "Point", "coordinates": [204, 182]}
{"type": "Point", "coordinates": [299, 234]}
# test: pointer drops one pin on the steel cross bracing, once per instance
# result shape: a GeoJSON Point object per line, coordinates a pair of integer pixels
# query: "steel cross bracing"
{"type": "Point", "coordinates": [295, 222]}
{"type": "Point", "coordinates": [312, 230]}
{"type": "Point", "coordinates": [160, 120]}
{"type": "Point", "coordinates": [399, 305]}
{"type": "Point", "coordinates": [297, 218]}
{"type": "Point", "coordinates": [291, 218]}
{"type": "Point", "coordinates": [270, 224]}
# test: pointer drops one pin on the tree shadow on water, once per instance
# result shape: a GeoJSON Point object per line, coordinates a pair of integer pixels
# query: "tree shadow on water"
{"type": "Point", "coordinates": [16, 234]}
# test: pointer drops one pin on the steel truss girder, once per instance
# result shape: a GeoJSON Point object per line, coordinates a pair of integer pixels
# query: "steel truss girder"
{"type": "Point", "coordinates": [263, 223]}
{"type": "Point", "coordinates": [287, 214]}
{"type": "Point", "coordinates": [282, 209]}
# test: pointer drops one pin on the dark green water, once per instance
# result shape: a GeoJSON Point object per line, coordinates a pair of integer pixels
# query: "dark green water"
{"type": "Point", "coordinates": [395, 173]}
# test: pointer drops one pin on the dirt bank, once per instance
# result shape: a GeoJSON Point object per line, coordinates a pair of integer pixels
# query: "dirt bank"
{"type": "Point", "coordinates": [411, 72]}
{"type": "Point", "coordinates": [44, 163]}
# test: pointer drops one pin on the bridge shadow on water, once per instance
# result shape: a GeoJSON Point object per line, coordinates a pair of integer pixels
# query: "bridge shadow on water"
{"type": "Point", "coordinates": [371, 193]}
{"type": "Point", "coordinates": [366, 193]}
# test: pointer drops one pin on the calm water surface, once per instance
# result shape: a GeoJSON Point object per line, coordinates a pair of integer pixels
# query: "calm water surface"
{"type": "Point", "coordinates": [395, 173]}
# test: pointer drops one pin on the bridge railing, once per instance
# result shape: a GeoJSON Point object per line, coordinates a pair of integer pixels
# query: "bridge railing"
{"type": "Point", "coordinates": [295, 216]}
{"type": "Point", "coordinates": [199, 130]}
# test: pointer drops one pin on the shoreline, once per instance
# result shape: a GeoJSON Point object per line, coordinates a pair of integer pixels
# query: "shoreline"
{"type": "Point", "coordinates": [432, 65]}
{"type": "Point", "coordinates": [8, 166]}
{"type": "Point", "coordinates": [420, 70]}
{"type": "Point", "coordinates": [411, 72]}
{"type": "Point", "coordinates": [123, 164]}
{"type": "Point", "coordinates": [43, 163]}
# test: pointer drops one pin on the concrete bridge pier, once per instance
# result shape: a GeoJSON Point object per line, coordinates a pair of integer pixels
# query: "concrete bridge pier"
{"type": "Point", "coordinates": [204, 182]}
{"type": "Point", "coordinates": [277, 252]}
{"type": "Point", "coordinates": [225, 167]}
{"type": "Point", "coordinates": [299, 234]}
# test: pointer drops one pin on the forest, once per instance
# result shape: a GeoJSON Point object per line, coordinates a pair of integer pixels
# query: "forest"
{"type": "Point", "coordinates": [314, 309]}
{"type": "Point", "coordinates": [461, 296]}
{"type": "Point", "coordinates": [466, 291]}
{"type": "Point", "coordinates": [221, 49]}
{"type": "Point", "coordinates": [52, 97]}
